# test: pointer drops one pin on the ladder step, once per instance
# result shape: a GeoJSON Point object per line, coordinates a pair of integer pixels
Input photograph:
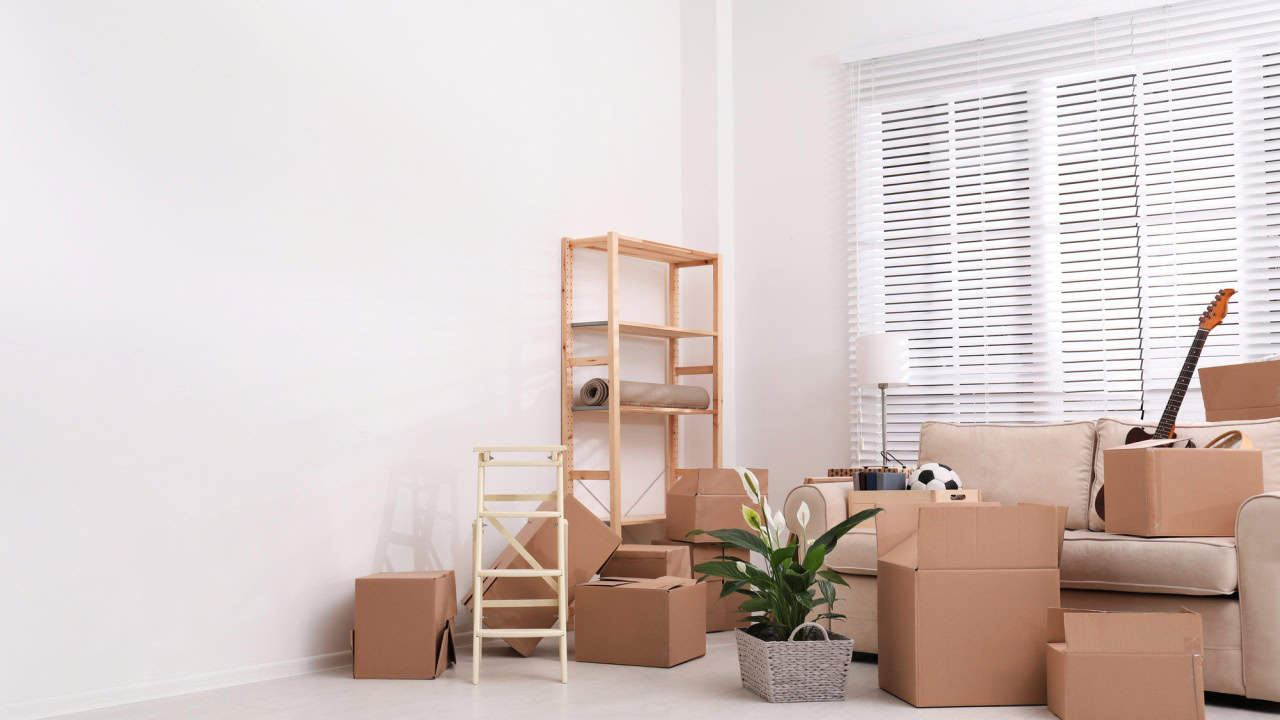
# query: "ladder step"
{"type": "Point", "coordinates": [520, 463]}
{"type": "Point", "coordinates": [519, 514]}
{"type": "Point", "coordinates": [514, 497]}
{"type": "Point", "coordinates": [521, 633]}
{"type": "Point", "coordinates": [507, 572]}
{"type": "Point", "coordinates": [551, 602]}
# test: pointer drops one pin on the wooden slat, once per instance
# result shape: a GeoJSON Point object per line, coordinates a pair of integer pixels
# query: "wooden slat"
{"type": "Point", "coordinates": [615, 403]}
{"type": "Point", "coordinates": [646, 329]}
{"type": "Point", "coordinates": [589, 475]}
{"type": "Point", "coordinates": [673, 361]}
{"type": "Point", "coordinates": [519, 463]}
{"type": "Point", "coordinates": [520, 633]}
{"type": "Point", "coordinates": [519, 514]}
{"type": "Point", "coordinates": [518, 448]}
{"type": "Point", "coordinates": [695, 370]}
{"type": "Point", "coordinates": [566, 352]}
{"type": "Point", "coordinates": [520, 572]}
{"type": "Point", "coordinates": [646, 410]}
{"type": "Point", "coordinates": [649, 250]}
{"type": "Point", "coordinates": [717, 363]}
{"type": "Point", "coordinates": [541, 602]}
{"type": "Point", "coordinates": [588, 360]}
{"type": "Point", "coordinates": [515, 497]}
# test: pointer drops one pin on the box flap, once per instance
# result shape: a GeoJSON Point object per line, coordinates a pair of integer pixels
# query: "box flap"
{"type": "Point", "coordinates": [666, 583]}
{"type": "Point", "coordinates": [969, 536]}
{"type": "Point", "coordinates": [897, 524]}
{"type": "Point", "coordinates": [715, 481]}
{"type": "Point", "coordinates": [640, 552]}
{"type": "Point", "coordinates": [1240, 386]}
{"type": "Point", "coordinates": [1133, 632]}
{"type": "Point", "coordinates": [609, 582]}
{"type": "Point", "coordinates": [1056, 633]}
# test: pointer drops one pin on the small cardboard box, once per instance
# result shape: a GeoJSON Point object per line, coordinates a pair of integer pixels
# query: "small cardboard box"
{"type": "Point", "coordinates": [962, 591]}
{"type": "Point", "coordinates": [1125, 665]}
{"type": "Point", "coordinates": [722, 612]}
{"type": "Point", "coordinates": [1247, 391]}
{"type": "Point", "coordinates": [404, 625]}
{"type": "Point", "coordinates": [860, 500]}
{"type": "Point", "coordinates": [649, 561]}
{"type": "Point", "coordinates": [656, 622]}
{"type": "Point", "coordinates": [1185, 492]}
{"type": "Point", "coordinates": [590, 543]}
{"type": "Point", "coordinates": [708, 499]}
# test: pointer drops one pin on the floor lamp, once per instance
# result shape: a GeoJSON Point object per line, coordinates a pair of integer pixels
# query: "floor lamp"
{"type": "Point", "coordinates": [883, 362]}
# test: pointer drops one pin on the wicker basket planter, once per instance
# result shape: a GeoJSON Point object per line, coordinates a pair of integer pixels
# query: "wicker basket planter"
{"type": "Point", "coordinates": [795, 670]}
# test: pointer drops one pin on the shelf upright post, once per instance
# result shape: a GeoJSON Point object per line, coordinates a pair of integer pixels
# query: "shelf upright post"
{"type": "Point", "coordinates": [615, 393]}
{"type": "Point", "coordinates": [717, 366]}
{"type": "Point", "coordinates": [673, 361]}
{"type": "Point", "coordinates": [566, 353]}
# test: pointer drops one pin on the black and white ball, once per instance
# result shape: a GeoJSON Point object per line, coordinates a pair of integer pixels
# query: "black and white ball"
{"type": "Point", "coordinates": [934, 476]}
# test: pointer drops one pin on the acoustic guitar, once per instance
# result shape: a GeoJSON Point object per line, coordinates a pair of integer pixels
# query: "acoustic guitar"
{"type": "Point", "coordinates": [1209, 319]}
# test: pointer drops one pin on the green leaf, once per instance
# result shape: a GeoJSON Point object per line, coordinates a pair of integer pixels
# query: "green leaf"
{"type": "Point", "coordinates": [721, 568]}
{"type": "Point", "coordinates": [781, 554]}
{"type": "Point", "coordinates": [753, 604]}
{"type": "Point", "coordinates": [740, 538]}
{"type": "Point", "coordinates": [731, 587]}
{"type": "Point", "coordinates": [813, 559]}
{"type": "Point", "coordinates": [828, 539]}
{"type": "Point", "coordinates": [833, 576]}
{"type": "Point", "coordinates": [830, 616]}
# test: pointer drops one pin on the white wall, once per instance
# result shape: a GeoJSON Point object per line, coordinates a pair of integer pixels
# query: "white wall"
{"type": "Point", "coordinates": [790, 127]}
{"type": "Point", "coordinates": [269, 271]}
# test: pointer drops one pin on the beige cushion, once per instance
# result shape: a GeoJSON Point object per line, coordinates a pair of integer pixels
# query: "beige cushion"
{"type": "Point", "coordinates": [1171, 566]}
{"type": "Point", "coordinates": [1049, 464]}
{"type": "Point", "coordinates": [855, 553]}
{"type": "Point", "coordinates": [1265, 435]}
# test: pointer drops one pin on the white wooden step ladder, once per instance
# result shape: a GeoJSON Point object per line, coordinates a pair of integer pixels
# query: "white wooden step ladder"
{"type": "Point", "coordinates": [555, 577]}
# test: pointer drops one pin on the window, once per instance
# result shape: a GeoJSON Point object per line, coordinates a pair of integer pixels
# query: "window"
{"type": "Point", "coordinates": [1044, 215]}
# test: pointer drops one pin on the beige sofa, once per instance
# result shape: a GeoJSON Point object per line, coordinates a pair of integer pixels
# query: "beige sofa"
{"type": "Point", "coordinates": [1234, 583]}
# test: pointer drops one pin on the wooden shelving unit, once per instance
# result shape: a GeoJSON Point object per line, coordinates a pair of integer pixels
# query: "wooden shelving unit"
{"type": "Point", "coordinates": [614, 246]}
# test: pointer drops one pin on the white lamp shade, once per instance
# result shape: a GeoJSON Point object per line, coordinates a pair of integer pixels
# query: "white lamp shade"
{"type": "Point", "coordinates": [882, 358]}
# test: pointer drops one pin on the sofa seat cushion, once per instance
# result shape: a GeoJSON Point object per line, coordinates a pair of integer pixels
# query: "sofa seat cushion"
{"type": "Point", "coordinates": [1171, 566]}
{"type": "Point", "coordinates": [855, 554]}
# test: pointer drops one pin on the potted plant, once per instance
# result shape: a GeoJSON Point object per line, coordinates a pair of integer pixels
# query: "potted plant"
{"type": "Point", "coordinates": [784, 655]}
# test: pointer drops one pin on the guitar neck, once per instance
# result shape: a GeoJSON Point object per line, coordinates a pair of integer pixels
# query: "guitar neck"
{"type": "Point", "coordinates": [1170, 416]}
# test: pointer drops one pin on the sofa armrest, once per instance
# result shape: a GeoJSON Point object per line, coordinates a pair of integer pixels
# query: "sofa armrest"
{"type": "Point", "coordinates": [1258, 555]}
{"type": "Point", "coordinates": [828, 505]}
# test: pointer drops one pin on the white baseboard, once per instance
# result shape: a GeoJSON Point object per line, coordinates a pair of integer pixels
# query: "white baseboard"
{"type": "Point", "coordinates": [43, 708]}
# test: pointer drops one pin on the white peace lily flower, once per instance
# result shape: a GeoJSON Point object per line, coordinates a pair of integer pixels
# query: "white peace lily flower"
{"type": "Point", "coordinates": [749, 484]}
{"type": "Point", "coordinates": [803, 514]}
{"type": "Point", "coordinates": [742, 567]}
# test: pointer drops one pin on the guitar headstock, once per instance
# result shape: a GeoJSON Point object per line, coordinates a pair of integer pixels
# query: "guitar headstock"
{"type": "Point", "coordinates": [1217, 310]}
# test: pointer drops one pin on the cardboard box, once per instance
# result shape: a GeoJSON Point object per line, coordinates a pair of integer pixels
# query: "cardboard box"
{"type": "Point", "coordinates": [1161, 491]}
{"type": "Point", "coordinates": [962, 591]}
{"type": "Point", "coordinates": [404, 625]}
{"type": "Point", "coordinates": [649, 561]}
{"type": "Point", "coordinates": [722, 612]}
{"type": "Point", "coordinates": [708, 499]}
{"type": "Point", "coordinates": [1248, 391]}
{"type": "Point", "coordinates": [1125, 665]}
{"type": "Point", "coordinates": [860, 500]}
{"type": "Point", "coordinates": [590, 545]}
{"type": "Point", "coordinates": [657, 622]}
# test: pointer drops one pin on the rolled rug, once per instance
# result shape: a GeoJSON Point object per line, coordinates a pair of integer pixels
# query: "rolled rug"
{"type": "Point", "coordinates": [596, 392]}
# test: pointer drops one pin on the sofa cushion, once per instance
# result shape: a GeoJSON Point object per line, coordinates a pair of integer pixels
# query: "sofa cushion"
{"type": "Point", "coordinates": [1265, 435]}
{"type": "Point", "coordinates": [855, 553]}
{"type": "Point", "coordinates": [1170, 566]}
{"type": "Point", "coordinates": [1048, 464]}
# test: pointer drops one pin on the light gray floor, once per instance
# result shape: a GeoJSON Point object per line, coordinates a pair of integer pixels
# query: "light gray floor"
{"type": "Point", "coordinates": [707, 688]}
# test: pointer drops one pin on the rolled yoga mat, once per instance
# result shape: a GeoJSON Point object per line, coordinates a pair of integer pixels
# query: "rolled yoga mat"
{"type": "Point", "coordinates": [596, 392]}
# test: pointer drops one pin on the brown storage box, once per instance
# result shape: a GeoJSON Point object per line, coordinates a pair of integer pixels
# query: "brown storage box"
{"type": "Point", "coordinates": [1182, 492]}
{"type": "Point", "coordinates": [1125, 666]}
{"type": "Point", "coordinates": [657, 622]}
{"type": "Point", "coordinates": [860, 500]}
{"type": "Point", "coordinates": [590, 543]}
{"type": "Point", "coordinates": [1248, 391]}
{"type": "Point", "coordinates": [962, 591]}
{"type": "Point", "coordinates": [404, 625]}
{"type": "Point", "coordinates": [722, 612]}
{"type": "Point", "coordinates": [649, 561]}
{"type": "Point", "coordinates": [708, 499]}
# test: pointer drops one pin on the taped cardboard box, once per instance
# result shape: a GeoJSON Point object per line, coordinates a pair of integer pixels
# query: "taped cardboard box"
{"type": "Point", "coordinates": [649, 561]}
{"type": "Point", "coordinates": [590, 543]}
{"type": "Point", "coordinates": [1125, 665]}
{"type": "Point", "coordinates": [1155, 491]}
{"type": "Point", "coordinates": [1247, 391]}
{"type": "Point", "coordinates": [656, 622]}
{"type": "Point", "coordinates": [708, 499]}
{"type": "Point", "coordinates": [962, 592]}
{"type": "Point", "coordinates": [859, 500]}
{"type": "Point", "coordinates": [722, 612]}
{"type": "Point", "coordinates": [404, 625]}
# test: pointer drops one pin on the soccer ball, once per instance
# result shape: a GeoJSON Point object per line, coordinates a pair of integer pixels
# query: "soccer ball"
{"type": "Point", "coordinates": [934, 476]}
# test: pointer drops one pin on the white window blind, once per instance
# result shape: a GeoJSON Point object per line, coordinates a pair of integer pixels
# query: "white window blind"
{"type": "Point", "coordinates": [1045, 215]}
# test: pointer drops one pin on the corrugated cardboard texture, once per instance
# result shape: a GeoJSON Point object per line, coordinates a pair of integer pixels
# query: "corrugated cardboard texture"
{"type": "Point", "coordinates": [403, 624]}
{"type": "Point", "coordinates": [1125, 666]}
{"type": "Point", "coordinates": [962, 593]}
{"type": "Point", "coordinates": [860, 500]}
{"type": "Point", "coordinates": [722, 612]}
{"type": "Point", "coordinates": [1156, 492]}
{"type": "Point", "coordinates": [590, 545]}
{"type": "Point", "coordinates": [649, 561]}
{"type": "Point", "coordinates": [655, 622]}
{"type": "Point", "coordinates": [1248, 391]}
{"type": "Point", "coordinates": [708, 499]}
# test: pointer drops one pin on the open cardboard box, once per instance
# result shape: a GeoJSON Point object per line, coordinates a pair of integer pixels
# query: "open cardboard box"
{"type": "Point", "coordinates": [657, 622]}
{"type": "Point", "coordinates": [1246, 391]}
{"type": "Point", "coordinates": [403, 625]}
{"type": "Point", "coordinates": [708, 499]}
{"type": "Point", "coordinates": [1125, 665]}
{"type": "Point", "coordinates": [590, 543]}
{"type": "Point", "coordinates": [962, 591]}
{"type": "Point", "coordinates": [649, 561]}
{"type": "Point", "coordinates": [722, 612]}
{"type": "Point", "coordinates": [860, 500]}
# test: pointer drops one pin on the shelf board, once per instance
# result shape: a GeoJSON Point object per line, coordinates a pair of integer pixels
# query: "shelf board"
{"type": "Point", "coordinates": [645, 329]}
{"type": "Point", "coordinates": [636, 519]}
{"type": "Point", "coordinates": [635, 247]}
{"type": "Point", "coordinates": [645, 409]}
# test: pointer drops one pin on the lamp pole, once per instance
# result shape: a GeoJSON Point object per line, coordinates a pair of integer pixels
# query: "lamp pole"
{"type": "Point", "coordinates": [884, 443]}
